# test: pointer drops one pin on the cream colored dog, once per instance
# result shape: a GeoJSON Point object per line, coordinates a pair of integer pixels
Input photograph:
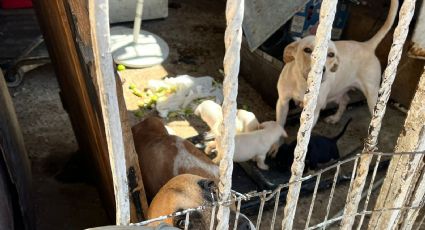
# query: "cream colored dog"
{"type": "Point", "coordinates": [349, 64]}
{"type": "Point", "coordinates": [253, 145]}
{"type": "Point", "coordinates": [211, 113]}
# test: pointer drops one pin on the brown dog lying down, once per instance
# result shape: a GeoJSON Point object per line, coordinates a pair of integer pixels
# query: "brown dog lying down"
{"type": "Point", "coordinates": [163, 156]}
{"type": "Point", "coordinates": [190, 191]}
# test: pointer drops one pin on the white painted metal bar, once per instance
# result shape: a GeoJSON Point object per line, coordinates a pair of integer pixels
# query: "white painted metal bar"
{"type": "Point", "coordinates": [313, 201]}
{"type": "Point", "coordinates": [369, 191]}
{"type": "Point", "coordinates": [137, 21]}
{"type": "Point", "coordinates": [186, 221]}
{"type": "Point", "coordinates": [238, 212]}
{"type": "Point", "coordinates": [394, 56]}
{"type": "Point", "coordinates": [260, 211]}
{"type": "Point", "coordinates": [109, 105]}
{"type": "Point", "coordinates": [318, 58]}
{"type": "Point", "coordinates": [226, 141]}
{"type": "Point", "coordinates": [213, 214]}
{"type": "Point", "coordinates": [276, 206]}
{"type": "Point", "coordinates": [331, 195]}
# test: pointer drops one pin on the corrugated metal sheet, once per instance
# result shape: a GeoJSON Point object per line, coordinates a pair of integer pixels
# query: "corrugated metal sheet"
{"type": "Point", "coordinates": [263, 17]}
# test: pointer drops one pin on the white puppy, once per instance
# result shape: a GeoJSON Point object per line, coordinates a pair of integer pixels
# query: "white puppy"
{"type": "Point", "coordinates": [211, 113]}
{"type": "Point", "coordinates": [349, 64]}
{"type": "Point", "coordinates": [253, 145]}
{"type": "Point", "coordinates": [248, 121]}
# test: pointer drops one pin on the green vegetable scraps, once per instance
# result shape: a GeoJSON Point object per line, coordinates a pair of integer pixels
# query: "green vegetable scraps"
{"type": "Point", "coordinates": [132, 86]}
{"type": "Point", "coordinates": [139, 113]}
{"type": "Point", "coordinates": [120, 67]}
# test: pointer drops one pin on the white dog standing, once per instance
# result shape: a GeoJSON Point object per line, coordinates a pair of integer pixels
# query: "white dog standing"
{"type": "Point", "coordinates": [253, 145]}
{"type": "Point", "coordinates": [349, 64]}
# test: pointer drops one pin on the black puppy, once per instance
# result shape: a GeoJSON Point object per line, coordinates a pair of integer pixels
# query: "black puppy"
{"type": "Point", "coordinates": [320, 150]}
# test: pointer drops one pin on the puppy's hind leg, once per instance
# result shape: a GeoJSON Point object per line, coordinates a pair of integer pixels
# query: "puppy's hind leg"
{"type": "Point", "coordinates": [260, 162]}
{"type": "Point", "coordinates": [342, 105]}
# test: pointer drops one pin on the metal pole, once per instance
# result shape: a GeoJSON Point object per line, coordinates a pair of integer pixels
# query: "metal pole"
{"type": "Point", "coordinates": [137, 21]}
{"type": "Point", "coordinates": [318, 58]}
{"type": "Point", "coordinates": [226, 141]}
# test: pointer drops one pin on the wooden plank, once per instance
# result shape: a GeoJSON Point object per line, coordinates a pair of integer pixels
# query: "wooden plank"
{"type": "Point", "coordinates": [139, 206]}
{"type": "Point", "coordinates": [69, 42]}
{"type": "Point", "coordinates": [104, 73]}
{"type": "Point", "coordinates": [6, 205]}
{"type": "Point", "coordinates": [80, 24]}
{"type": "Point", "coordinates": [15, 156]}
{"type": "Point", "coordinates": [77, 93]}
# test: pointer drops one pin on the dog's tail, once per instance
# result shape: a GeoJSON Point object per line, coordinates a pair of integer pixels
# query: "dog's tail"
{"type": "Point", "coordinates": [377, 38]}
{"type": "Point", "coordinates": [336, 138]}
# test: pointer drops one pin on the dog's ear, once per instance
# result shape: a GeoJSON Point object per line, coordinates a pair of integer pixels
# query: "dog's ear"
{"type": "Point", "coordinates": [335, 65]}
{"type": "Point", "coordinates": [289, 52]}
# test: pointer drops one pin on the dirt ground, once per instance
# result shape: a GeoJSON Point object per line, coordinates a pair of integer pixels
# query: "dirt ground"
{"type": "Point", "coordinates": [197, 49]}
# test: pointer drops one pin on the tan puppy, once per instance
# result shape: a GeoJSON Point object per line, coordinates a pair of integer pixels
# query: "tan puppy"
{"type": "Point", "coordinates": [253, 145]}
{"type": "Point", "coordinates": [212, 114]}
{"type": "Point", "coordinates": [190, 191]}
{"type": "Point", "coordinates": [349, 64]}
{"type": "Point", "coordinates": [163, 156]}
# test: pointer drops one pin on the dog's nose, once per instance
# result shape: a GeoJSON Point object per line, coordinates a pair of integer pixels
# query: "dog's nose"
{"type": "Point", "coordinates": [244, 223]}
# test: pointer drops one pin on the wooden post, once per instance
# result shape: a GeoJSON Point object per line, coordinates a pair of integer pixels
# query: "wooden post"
{"type": "Point", "coordinates": [104, 70]}
{"type": "Point", "coordinates": [69, 40]}
{"type": "Point", "coordinates": [79, 13]}
{"type": "Point", "coordinates": [404, 171]}
{"type": "Point", "coordinates": [16, 163]}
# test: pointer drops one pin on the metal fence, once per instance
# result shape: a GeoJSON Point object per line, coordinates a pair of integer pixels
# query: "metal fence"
{"type": "Point", "coordinates": [328, 219]}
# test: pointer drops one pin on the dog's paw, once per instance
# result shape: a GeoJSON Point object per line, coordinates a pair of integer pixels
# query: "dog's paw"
{"type": "Point", "coordinates": [262, 166]}
{"type": "Point", "coordinates": [333, 119]}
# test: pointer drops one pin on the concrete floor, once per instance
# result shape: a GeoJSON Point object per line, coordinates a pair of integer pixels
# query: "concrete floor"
{"type": "Point", "coordinates": [196, 48]}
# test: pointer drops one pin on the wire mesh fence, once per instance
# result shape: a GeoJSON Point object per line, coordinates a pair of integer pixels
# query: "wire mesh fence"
{"type": "Point", "coordinates": [321, 209]}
